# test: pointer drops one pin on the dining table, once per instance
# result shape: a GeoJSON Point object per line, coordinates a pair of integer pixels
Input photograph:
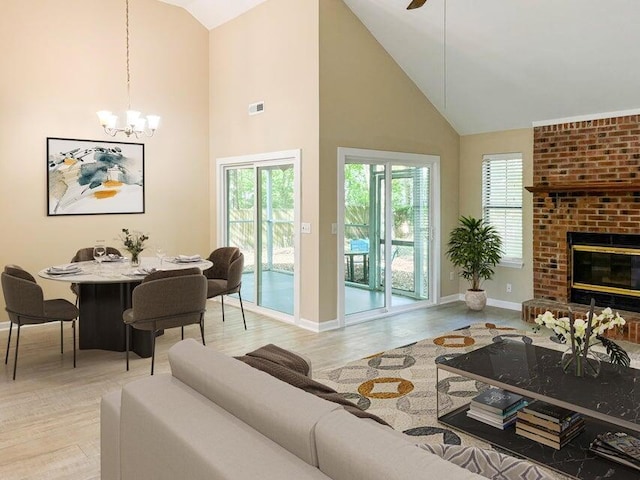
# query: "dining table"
{"type": "Point", "coordinates": [105, 291]}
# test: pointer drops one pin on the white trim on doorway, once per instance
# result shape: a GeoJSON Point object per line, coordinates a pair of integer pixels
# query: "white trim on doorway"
{"type": "Point", "coordinates": [344, 155]}
{"type": "Point", "coordinates": [292, 157]}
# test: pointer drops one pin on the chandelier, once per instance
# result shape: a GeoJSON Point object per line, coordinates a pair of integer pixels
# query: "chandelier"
{"type": "Point", "coordinates": [136, 125]}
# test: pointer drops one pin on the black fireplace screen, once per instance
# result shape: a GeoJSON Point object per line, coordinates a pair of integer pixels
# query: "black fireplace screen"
{"type": "Point", "coordinates": [606, 269]}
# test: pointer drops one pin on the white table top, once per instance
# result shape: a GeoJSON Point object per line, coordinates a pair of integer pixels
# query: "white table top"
{"type": "Point", "coordinates": [121, 271]}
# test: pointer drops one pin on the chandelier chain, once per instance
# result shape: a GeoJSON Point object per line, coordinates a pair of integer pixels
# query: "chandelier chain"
{"type": "Point", "coordinates": [128, 73]}
{"type": "Point", "coordinates": [135, 125]}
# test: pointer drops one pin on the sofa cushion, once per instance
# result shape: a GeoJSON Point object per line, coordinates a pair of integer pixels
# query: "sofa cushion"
{"type": "Point", "coordinates": [170, 431]}
{"type": "Point", "coordinates": [352, 449]}
{"type": "Point", "coordinates": [279, 411]}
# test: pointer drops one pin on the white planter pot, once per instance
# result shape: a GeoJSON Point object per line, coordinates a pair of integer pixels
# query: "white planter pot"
{"type": "Point", "coordinates": [476, 299]}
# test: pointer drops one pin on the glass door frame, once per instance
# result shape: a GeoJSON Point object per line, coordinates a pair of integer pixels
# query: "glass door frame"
{"type": "Point", "coordinates": [379, 157]}
{"type": "Point", "coordinates": [256, 161]}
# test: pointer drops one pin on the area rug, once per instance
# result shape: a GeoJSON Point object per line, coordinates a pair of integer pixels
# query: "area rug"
{"type": "Point", "coordinates": [400, 385]}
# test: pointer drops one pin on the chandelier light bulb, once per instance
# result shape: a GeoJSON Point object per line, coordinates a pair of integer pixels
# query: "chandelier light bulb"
{"type": "Point", "coordinates": [134, 125]}
{"type": "Point", "coordinates": [153, 121]}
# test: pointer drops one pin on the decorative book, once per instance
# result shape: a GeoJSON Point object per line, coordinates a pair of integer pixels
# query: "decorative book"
{"type": "Point", "coordinates": [544, 440]}
{"type": "Point", "coordinates": [548, 424]}
{"type": "Point", "coordinates": [497, 401]}
{"type": "Point", "coordinates": [491, 419]}
{"type": "Point", "coordinates": [549, 412]}
{"type": "Point", "coordinates": [618, 447]}
{"type": "Point", "coordinates": [558, 437]}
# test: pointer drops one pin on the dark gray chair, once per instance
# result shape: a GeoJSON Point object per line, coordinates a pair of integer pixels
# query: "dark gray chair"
{"type": "Point", "coordinates": [86, 255]}
{"type": "Point", "coordinates": [225, 276]}
{"type": "Point", "coordinates": [25, 305]}
{"type": "Point", "coordinates": [167, 299]}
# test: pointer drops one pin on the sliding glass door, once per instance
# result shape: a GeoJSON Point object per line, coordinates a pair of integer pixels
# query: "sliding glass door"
{"type": "Point", "coordinates": [387, 214]}
{"type": "Point", "coordinates": [275, 224]}
{"type": "Point", "coordinates": [260, 218]}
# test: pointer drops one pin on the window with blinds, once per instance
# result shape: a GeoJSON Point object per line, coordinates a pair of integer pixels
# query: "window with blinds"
{"type": "Point", "coordinates": [502, 202]}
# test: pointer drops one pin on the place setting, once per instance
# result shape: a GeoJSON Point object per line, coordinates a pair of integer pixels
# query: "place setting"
{"type": "Point", "coordinates": [140, 272]}
{"type": "Point", "coordinates": [66, 269]}
{"type": "Point", "coordinates": [185, 259]}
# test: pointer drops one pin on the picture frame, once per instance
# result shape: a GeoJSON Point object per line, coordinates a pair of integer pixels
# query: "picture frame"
{"type": "Point", "coordinates": [94, 177]}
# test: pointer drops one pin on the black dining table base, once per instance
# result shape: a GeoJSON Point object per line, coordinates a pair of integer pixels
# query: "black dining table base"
{"type": "Point", "coordinates": [101, 327]}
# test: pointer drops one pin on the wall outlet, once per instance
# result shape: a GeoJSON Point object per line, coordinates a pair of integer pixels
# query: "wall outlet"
{"type": "Point", "coordinates": [334, 228]}
{"type": "Point", "coordinates": [508, 288]}
{"type": "Point", "coordinates": [450, 275]}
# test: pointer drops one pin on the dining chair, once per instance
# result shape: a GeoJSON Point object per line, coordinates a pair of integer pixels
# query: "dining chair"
{"type": "Point", "coordinates": [167, 299]}
{"type": "Point", "coordinates": [86, 255]}
{"type": "Point", "coordinates": [25, 305]}
{"type": "Point", "coordinates": [225, 276]}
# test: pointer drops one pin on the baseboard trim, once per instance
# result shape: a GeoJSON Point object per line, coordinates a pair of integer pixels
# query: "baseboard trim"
{"type": "Point", "coordinates": [4, 325]}
{"type": "Point", "coordinates": [490, 301]}
{"type": "Point", "coordinates": [502, 304]}
{"type": "Point", "coordinates": [318, 327]}
{"type": "Point", "coordinates": [456, 297]}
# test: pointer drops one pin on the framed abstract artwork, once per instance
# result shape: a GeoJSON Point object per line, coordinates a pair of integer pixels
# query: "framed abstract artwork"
{"type": "Point", "coordinates": [92, 177]}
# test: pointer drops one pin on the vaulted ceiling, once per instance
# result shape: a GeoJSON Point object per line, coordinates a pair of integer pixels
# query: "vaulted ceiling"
{"type": "Point", "coordinates": [491, 65]}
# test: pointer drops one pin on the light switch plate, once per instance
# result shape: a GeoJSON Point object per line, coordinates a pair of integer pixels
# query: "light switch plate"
{"type": "Point", "coordinates": [305, 227]}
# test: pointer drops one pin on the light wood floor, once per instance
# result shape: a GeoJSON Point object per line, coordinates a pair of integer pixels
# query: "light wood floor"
{"type": "Point", "coordinates": [49, 417]}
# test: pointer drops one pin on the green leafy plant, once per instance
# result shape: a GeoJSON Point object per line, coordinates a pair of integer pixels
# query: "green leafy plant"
{"type": "Point", "coordinates": [133, 242]}
{"type": "Point", "coordinates": [475, 247]}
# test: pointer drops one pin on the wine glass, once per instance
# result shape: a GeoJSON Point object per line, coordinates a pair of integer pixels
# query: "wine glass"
{"type": "Point", "coordinates": [99, 252]}
{"type": "Point", "coordinates": [160, 253]}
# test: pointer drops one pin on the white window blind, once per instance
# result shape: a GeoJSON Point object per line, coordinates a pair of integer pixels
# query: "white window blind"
{"type": "Point", "coordinates": [502, 201]}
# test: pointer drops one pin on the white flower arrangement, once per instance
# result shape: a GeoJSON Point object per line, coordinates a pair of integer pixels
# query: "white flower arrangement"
{"type": "Point", "coordinates": [582, 333]}
{"type": "Point", "coordinates": [600, 324]}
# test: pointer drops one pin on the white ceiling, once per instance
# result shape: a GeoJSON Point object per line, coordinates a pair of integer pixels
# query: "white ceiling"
{"type": "Point", "coordinates": [508, 62]}
{"type": "Point", "coordinates": [212, 13]}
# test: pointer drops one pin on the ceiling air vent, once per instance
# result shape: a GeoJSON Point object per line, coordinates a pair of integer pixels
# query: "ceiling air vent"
{"type": "Point", "coordinates": [256, 108]}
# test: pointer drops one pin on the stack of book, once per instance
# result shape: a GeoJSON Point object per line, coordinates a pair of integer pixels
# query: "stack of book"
{"type": "Point", "coordinates": [548, 424]}
{"type": "Point", "coordinates": [619, 447]}
{"type": "Point", "coordinates": [496, 407]}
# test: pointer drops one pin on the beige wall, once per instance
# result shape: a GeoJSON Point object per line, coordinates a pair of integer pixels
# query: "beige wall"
{"type": "Point", "coordinates": [367, 101]}
{"type": "Point", "coordinates": [472, 149]}
{"type": "Point", "coordinates": [62, 60]}
{"type": "Point", "coordinates": [271, 53]}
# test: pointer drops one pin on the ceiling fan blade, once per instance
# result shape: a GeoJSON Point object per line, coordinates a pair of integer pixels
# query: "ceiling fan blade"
{"type": "Point", "coordinates": [416, 4]}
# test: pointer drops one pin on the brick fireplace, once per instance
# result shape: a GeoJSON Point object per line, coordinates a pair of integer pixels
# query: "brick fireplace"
{"type": "Point", "coordinates": [585, 179]}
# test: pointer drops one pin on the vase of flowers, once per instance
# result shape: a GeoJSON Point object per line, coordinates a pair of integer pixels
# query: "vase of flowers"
{"type": "Point", "coordinates": [134, 244]}
{"type": "Point", "coordinates": [581, 334]}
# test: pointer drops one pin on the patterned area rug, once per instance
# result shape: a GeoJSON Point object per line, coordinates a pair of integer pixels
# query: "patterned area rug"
{"type": "Point", "coordinates": [400, 385]}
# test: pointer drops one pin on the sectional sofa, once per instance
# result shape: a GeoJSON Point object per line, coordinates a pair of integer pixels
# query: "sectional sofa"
{"type": "Point", "coordinates": [214, 417]}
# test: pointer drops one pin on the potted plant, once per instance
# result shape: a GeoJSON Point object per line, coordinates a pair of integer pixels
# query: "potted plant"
{"type": "Point", "coordinates": [475, 248]}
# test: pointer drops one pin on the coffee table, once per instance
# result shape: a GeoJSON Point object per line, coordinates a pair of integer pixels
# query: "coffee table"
{"type": "Point", "coordinates": [610, 402]}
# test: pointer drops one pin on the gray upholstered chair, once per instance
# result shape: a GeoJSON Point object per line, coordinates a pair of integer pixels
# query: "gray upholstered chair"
{"type": "Point", "coordinates": [86, 255]}
{"type": "Point", "coordinates": [26, 305]}
{"type": "Point", "coordinates": [225, 276]}
{"type": "Point", "coordinates": [167, 299]}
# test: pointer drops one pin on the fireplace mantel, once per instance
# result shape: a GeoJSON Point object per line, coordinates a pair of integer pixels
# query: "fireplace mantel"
{"type": "Point", "coordinates": [585, 187]}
